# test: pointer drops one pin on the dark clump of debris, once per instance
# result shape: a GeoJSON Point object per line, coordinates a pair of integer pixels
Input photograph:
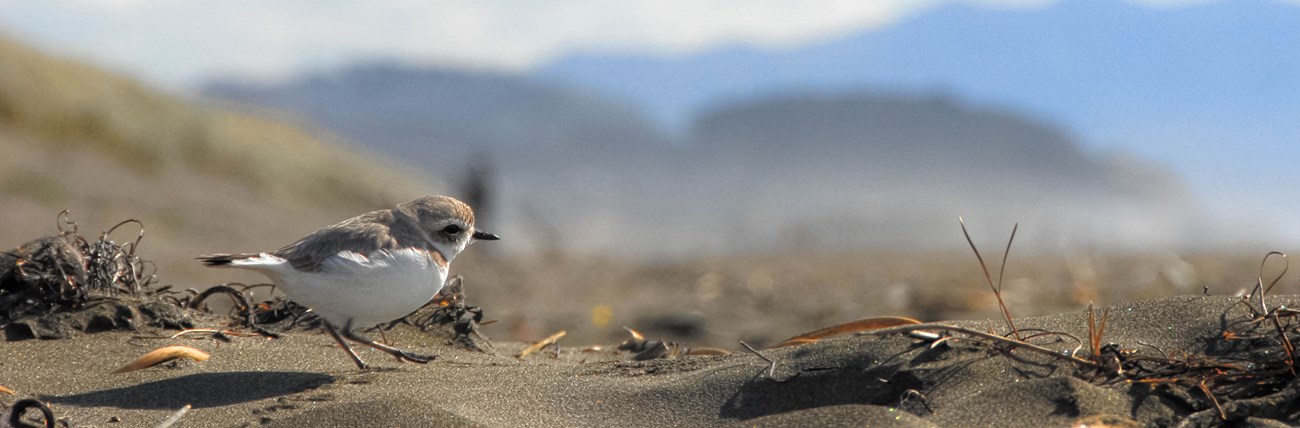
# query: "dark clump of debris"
{"type": "Point", "coordinates": [56, 285]}
{"type": "Point", "coordinates": [450, 310]}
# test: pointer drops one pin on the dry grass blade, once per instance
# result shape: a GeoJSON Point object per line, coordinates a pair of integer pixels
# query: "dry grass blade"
{"type": "Point", "coordinates": [1286, 265]}
{"type": "Point", "coordinates": [1094, 339]}
{"type": "Point", "coordinates": [1095, 330]}
{"type": "Point", "coordinates": [550, 340]}
{"type": "Point", "coordinates": [771, 368]}
{"type": "Point", "coordinates": [997, 289]}
{"type": "Point", "coordinates": [865, 324]}
{"type": "Point", "coordinates": [636, 335]}
{"type": "Point", "coordinates": [162, 355]}
{"type": "Point", "coordinates": [1006, 253]}
{"type": "Point", "coordinates": [1206, 389]}
{"type": "Point", "coordinates": [174, 418]}
{"type": "Point", "coordinates": [1286, 344]}
{"type": "Point", "coordinates": [905, 329]}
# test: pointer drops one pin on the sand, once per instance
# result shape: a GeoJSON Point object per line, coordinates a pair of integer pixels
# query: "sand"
{"type": "Point", "coordinates": [862, 379]}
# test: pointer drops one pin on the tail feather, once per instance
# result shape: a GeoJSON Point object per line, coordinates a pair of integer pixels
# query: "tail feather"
{"type": "Point", "coordinates": [224, 260]}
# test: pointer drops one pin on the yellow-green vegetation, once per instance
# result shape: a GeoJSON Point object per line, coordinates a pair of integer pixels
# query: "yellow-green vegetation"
{"type": "Point", "coordinates": [71, 104]}
{"type": "Point", "coordinates": [202, 177]}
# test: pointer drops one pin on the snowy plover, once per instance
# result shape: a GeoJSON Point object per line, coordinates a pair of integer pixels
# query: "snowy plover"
{"type": "Point", "coordinates": [370, 269]}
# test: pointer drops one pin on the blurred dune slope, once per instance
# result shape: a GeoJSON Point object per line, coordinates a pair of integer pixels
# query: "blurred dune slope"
{"type": "Point", "coordinates": [201, 177]}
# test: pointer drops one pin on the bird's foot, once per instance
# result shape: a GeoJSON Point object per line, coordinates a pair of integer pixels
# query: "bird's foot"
{"type": "Point", "coordinates": [402, 355]}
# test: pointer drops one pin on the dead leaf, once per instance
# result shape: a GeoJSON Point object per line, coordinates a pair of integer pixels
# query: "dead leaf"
{"type": "Point", "coordinates": [636, 335]}
{"type": "Point", "coordinates": [162, 355]}
{"type": "Point", "coordinates": [543, 343]}
{"type": "Point", "coordinates": [865, 324]}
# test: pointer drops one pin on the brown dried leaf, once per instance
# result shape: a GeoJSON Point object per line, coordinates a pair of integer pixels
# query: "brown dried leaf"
{"type": "Point", "coordinates": [543, 343]}
{"type": "Point", "coordinates": [636, 335]}
{"type": "Point", "coordinates": [162, 355]}
{"type": "Point", "coordinates": [865, 324]}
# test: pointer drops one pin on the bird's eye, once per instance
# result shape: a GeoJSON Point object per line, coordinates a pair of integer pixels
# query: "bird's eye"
{"type": "Point", "coordinates": [451, 229]}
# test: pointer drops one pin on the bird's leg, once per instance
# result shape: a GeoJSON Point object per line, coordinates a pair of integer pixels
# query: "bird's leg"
{"type": "Point", "coordinates": [400, 354]}
{"type": "Point", "coordinates": [335, 334]}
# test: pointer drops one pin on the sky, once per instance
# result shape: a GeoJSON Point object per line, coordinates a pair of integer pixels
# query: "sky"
{"type": "Point", "coordinates": [181, 43]}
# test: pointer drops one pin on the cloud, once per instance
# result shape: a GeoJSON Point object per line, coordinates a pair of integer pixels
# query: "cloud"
{"type": "Point", "coordinates": [181, 42]}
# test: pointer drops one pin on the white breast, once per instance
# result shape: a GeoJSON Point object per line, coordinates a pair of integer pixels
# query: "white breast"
{"type": "Point", "coordinates": [367, 289]}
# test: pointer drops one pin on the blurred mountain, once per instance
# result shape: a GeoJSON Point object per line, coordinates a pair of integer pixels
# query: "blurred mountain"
{"type": "Point", "coordinates": [888, 170]}
{"type": "Point", "coordinates": [572, 171]}
{"type": "Point", "coordinates": [202, 178]}
{"type": "Point", "coordinates": [1107, 68]}
{"type": "Point", "coordinates": [425, 113]}
{"type": "Point", "coordinates": [901, 134]}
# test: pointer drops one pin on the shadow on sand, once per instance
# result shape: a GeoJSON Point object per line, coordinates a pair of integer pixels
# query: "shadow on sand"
{"type": "Point", "coordinates": [199, 390]}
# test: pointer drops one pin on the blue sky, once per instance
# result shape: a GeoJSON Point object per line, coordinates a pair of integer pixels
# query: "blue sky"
{"type": "Point", "coordinates": [180, 42]}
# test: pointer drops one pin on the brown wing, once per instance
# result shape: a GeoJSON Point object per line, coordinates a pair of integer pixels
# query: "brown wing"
{"type": "Point", "coordinates": [363, 234]}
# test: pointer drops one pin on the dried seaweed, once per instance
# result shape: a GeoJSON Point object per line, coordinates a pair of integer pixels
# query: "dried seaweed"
{"type": "Point", "coordinates": [449, 309]}
{"type": "Point", "coordinates": [56, 285]}
{"type": "Point", "coordinates": [67, 270]}
{"type": "Point", "coordinates": [13, 417]}
{"type": "Point", "coordinates": [644, 349]}
{"type": "Point", "coordinates": [43, 281]}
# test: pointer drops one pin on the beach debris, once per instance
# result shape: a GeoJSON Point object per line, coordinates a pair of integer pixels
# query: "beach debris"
{"type": "Point", "coordinates": [865, 324]}
{"type": "Point", "coordinates": [1251, 374]}
{"type": "Point", "coordinates": [241, 305]}
{"type": "Point", "coordinates": [1109, 355]}
{"type": "Point", "coordinates": [1248, 372]}
{"type": "Point", "coordinates": [647, 350]}
{"type": "Point", "coordinates": [911, 396]}
{"type": "Point", "coordinates": [14, 416]}
{"type": "Point", "coordinates": [174, 417]}
{"type": "Point", "coordinates": [61, 283]}
{"type": "Point", "coordinates": [162, 355]}
{"type": "Point", "coordinates": [997, 290]}
{"type": "Point", "coordinates": [771, 369]}
{"type": "Point", "coordinates": [281, 313]}
{"type": "Point", "coordinates": [448, 308]}
{"type": "Point", "coordinates": [6, 391]}
{"type": "Point", "coordinates": [644, 349]}
{"type": "Point", "coordinates": [548, 341]}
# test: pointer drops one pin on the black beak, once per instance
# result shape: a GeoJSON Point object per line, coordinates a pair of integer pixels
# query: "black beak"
{"type": "Point", "coordinates": [480, 235]}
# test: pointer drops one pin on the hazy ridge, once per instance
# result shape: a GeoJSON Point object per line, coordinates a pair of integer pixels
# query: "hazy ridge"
{"type": "Point", "coordinates": [849, 170]}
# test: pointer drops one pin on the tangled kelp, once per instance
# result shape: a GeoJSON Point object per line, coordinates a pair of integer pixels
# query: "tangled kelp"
{"type": "Point", "coordinates": [449, 308]}
{"type": "Point", "coordinates": [61, 283]}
